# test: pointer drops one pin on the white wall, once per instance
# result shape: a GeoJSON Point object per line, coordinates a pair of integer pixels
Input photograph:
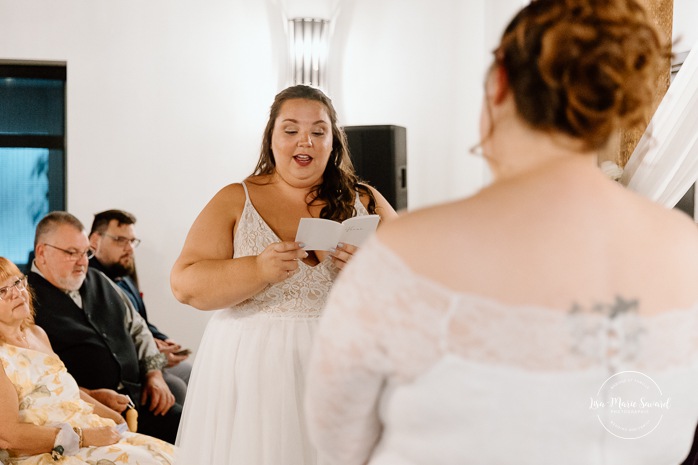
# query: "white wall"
{"type": "Point", "coordinates": [684, 28]}
{"type": "Point", "coordinates": [166, 104]}
{"type": "Point", "coordinates": [167, 100]}
{"type": "Point", "coordinates": [416, 64]}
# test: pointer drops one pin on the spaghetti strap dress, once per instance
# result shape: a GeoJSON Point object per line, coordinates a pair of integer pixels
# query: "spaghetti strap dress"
{"type": "Point", "coordinates": [244, 402]}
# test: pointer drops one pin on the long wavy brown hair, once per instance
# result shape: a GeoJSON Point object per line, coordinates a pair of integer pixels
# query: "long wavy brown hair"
{"type": "Point", "coordinates": [339, 181]}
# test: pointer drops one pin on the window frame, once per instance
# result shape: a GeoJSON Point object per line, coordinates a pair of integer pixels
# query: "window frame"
{"type": "Point", "coordinates": [55, 144]}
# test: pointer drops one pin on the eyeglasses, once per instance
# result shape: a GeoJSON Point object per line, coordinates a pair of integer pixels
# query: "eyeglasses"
{"type": "Point", "coordinates": [20, 284]}
{"type": "Point", "coordinates": [122, 241]}
{"type": "Point", "coordinates": [74, 255]}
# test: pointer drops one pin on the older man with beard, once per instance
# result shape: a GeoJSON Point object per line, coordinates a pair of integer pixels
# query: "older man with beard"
{"type": "Point", "coordinates": [93, 327]}
{"type": "Point", "coordinates": [113, 239]}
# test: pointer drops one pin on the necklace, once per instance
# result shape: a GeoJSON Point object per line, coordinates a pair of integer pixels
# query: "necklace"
{"type": "Point", "coordinates": [22, 339]}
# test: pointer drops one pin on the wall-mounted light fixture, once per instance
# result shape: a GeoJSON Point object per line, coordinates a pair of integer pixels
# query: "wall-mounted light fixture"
{"type": "Point", "coordinates": [309, 44]}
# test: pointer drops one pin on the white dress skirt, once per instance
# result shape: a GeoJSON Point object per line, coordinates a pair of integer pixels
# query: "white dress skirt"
{"type": "Point", "coordinates": [244, 403]}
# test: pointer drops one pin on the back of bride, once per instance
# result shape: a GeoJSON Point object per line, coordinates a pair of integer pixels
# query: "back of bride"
{"type": "Point", "coordinates": [551, 317]}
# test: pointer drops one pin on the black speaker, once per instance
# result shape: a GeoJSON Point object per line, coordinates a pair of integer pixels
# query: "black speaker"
{"type": "Point", "coordinates": [379, 154]}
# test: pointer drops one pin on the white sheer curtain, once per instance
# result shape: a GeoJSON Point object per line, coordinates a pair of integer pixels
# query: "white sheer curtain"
{"type": "Point", "coordinates": [664, 164]}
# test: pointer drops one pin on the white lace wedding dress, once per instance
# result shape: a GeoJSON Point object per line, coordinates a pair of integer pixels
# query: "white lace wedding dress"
{"type": "Point", "coordinates": [407, 372]}
{"type": "Point", "coordinates": [244, 402]}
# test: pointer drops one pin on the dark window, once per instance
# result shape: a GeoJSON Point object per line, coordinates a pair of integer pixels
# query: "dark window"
{"type": "Point", "coordinates": [32, 152]}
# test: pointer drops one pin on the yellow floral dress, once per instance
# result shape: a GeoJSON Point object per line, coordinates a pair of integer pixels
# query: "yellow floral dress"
{"type": "Point", "coordinates": [48, 394]}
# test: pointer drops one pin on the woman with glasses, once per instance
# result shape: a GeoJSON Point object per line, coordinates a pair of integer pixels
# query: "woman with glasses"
{"type": "Point", "coordinates": [45, 417]}
{"type": "Point", "coordinates": [244, 401]}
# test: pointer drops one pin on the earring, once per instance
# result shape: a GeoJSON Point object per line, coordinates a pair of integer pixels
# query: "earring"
{"type": "Point", "coordinates": [476, 150]}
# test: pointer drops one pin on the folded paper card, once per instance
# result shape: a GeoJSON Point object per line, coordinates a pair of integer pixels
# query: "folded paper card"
{"type": "Point", "coordinates": [322, 234]}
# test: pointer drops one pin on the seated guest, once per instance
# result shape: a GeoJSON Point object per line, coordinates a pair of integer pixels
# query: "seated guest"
{"type": "Point", "coordinates": [113, 240]}
{"type": "Point", "coordinates": [93, 327]}
{"type": "Point", "coordinates": [551, 317]}
{"type": "Point", "coordinates": [44, 416]}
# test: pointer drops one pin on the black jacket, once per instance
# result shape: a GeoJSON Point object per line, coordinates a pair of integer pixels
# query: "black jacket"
{"type": "Point", "coordinates": [93, 342]}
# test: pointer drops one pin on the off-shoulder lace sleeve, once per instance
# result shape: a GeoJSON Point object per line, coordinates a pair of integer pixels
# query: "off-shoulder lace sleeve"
{"type": "Point", "coordinates": [351, 359]}
{"type": "Point", "coordinates": [342, 389]}
{"type": "Point", "coordinates": [386, 325]}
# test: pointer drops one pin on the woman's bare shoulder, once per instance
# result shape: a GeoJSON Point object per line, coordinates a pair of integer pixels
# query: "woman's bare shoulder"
{"type": "Point", "coordinates": [677, 231]}
{"type": "Point", "coordinates": [231, 192]}
{"type": "Point", "coordinates": [423, 225]}
{"type": "Point", "coordinates": [39, 333]}
{"type": "Point", "coordinates": [221, 212]}
{"type": "Point", "coordinates": [229, 198]}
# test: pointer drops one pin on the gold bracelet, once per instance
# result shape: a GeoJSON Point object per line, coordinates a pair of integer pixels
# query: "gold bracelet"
{"type": "Point", "coordinates": [78, 431]}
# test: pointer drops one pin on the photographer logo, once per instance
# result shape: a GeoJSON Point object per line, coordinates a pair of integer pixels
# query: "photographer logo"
{"type": "Point", "coordinates": [629, 405]}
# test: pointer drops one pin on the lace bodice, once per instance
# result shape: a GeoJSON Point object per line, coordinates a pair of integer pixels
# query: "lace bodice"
{"type": "Point", "coordinates": [305, 292]}
{"type": "Point", "coordinates": [406, 311]}
{"type": "Point", "coordinates": [398, 351]}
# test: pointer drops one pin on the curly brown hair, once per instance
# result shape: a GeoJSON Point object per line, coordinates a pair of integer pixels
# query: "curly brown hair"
{"type": "Point", "coordinates": [582, 67]}
{"type": "Point", "coordinates": [339, 181]}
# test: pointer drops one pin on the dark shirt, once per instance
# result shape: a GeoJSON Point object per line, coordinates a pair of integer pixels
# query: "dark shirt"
{"type": "Point", "coordinates": [134, 295]}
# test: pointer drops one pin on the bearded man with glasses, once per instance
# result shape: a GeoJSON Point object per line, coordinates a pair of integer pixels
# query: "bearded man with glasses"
{"type": "Point", "coordinates": [93, 327]}
{"type": "Point", "coordinates": [113, 239]}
